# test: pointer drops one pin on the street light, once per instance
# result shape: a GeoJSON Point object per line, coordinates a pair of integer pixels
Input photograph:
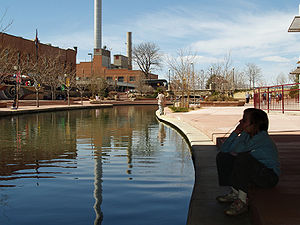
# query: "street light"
{"type": "Point", "coordinates": [193, 71]}
{"type": "Point", "coordinates": [67, 81]}
{"type": "Point", "coordinates": [233, 84]}
{"type": "Point", "coordinates": [90, 54]}
{"type": "Point", "coordinates": [116, 80]}
{"type": "Point", "coordinates": [18, 81]}
{"type": "Point", "coordinates": [169, 88]}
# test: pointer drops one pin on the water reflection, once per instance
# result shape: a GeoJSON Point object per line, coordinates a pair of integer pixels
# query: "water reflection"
{"type": "Point", "coordinates": [31, 144]}
{"type": "Point", "coordinates": [90, 151]}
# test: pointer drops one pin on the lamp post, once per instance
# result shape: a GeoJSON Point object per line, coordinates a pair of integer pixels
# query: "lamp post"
{"type": "Point", "coordinates": [91, 75]}
{"type": "Point", "coordinates": [233, 84]}
{"type": "Point", "coordinates": [18, 80]}
{"type": "Point", "coordinates": [116, 80]}
{"type": "Point", "coordinates": [169, 86]}
{"type": "Point", "coordinates": [90, 54]}
{"type": "Point", "coordinates": [193, 74]}
{"type": "Point", "coordinates": [67, 81]}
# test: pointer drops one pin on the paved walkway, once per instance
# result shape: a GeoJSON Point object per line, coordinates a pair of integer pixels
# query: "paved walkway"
{"type": "Point", "coordinates": [201, 128]}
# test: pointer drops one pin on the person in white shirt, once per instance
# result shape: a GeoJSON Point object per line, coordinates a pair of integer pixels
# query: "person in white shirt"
{"type": "Point", "coordinates": [161, 102]}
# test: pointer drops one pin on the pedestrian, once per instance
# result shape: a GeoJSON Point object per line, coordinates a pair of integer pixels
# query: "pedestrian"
{"type": "Point", "coordinates": [161, 102]}
{"type": "Point", "coordinates": [247, 158]}
{"type": "Point", "coordinates": [247, 97]}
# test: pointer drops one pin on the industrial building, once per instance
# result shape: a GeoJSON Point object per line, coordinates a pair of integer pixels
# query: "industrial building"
{"type": "Point", "coordinates": [119, 73]}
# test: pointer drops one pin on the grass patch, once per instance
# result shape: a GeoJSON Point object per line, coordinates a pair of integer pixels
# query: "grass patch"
{"type": "Point", "coordinates": [179, 109]}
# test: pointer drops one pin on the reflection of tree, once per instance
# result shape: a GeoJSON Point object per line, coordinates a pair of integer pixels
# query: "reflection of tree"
{"type": "Point", "coordinates": [34, 142]}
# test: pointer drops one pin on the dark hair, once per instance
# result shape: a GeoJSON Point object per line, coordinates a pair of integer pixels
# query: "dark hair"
{"type": "Point", "coordinates": [258, 118]}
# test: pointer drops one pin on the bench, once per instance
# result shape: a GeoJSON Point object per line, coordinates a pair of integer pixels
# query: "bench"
{"type": "Point", "coordinates": [279, 205]}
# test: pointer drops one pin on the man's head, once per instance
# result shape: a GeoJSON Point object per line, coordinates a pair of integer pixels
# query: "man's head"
{"type": "Point", "coordinates": [254, 121]}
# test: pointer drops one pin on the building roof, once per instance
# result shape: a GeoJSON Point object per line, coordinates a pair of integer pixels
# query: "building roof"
{"type": "Point", "coordinates": [296, 71]}
{"type": "Point", "coordinates": [295, 25]}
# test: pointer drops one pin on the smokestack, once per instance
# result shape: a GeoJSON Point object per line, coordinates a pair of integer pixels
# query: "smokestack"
{"type": "Point", "coordinates": [129, 50]}
{"type": "Point", "coordinates": [98, 23]}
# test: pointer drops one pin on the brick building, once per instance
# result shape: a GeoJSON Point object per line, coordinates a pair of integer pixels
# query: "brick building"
{"type": "Point", "coordinates": [19, 55]}
{"type": "Point", "coordinates": [117, 74]}
{"type": "Point", "coordinates": [28, 50]}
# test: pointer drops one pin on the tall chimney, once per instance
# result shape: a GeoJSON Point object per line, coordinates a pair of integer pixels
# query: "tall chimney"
{"type": "Point", "coordinates": [98, 23]}
{"type": "Point", "coordinates": [129, 50]}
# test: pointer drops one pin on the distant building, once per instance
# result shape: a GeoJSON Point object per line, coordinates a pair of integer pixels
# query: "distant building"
{"type": "Point", "coordinates": [116, 74]}
{"type": "Point", "coordinates": [31, 50]}
{"type": "Point", "coordinates": [19, 55]}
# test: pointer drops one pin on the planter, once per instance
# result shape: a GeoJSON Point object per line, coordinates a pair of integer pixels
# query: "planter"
{"type": "Point", "coordinates": [3, 105]}
{"type": "Point", "coordinates": [222, 103]}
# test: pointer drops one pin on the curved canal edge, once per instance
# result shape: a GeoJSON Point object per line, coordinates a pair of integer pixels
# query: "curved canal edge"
{"type": "Point", "coordinates": [203, 208]}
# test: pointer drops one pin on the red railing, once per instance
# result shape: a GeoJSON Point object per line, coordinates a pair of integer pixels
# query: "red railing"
{"type": "Point", "coordinates": [278, 98]}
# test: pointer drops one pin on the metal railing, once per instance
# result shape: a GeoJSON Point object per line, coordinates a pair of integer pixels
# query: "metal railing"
{"type": "Point", "coordinates": [278, 98]}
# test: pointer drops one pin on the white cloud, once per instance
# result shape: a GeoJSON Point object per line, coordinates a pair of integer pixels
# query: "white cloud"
{"type": "Point", "coordinates": [261, 38]}
{"type": "Point", "coordinates": [278, 59]}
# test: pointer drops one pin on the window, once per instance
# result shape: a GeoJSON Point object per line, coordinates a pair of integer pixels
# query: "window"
{"type": "Point", "coordinates": [131, 78]}
{"type": "Point", "coordinates": [109, 78]}
{"type": "Point", "coordinates": [120, 79]}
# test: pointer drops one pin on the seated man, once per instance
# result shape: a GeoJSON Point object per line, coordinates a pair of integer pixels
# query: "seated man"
{"type": "Point", "coordinates": [248, 157]}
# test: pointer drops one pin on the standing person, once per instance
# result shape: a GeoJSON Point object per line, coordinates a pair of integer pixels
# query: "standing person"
{"type": "Point", "coordinates": [161, 102]}
{"type": "Point", "coordinates": [247, 97]}
{"type": "Point", "coordinates": [247, 158]}
{"type": "Point", "coordinates": [97, 97]}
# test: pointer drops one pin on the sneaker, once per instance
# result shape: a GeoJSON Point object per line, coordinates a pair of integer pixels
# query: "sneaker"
{"type": "Point", "coordinates": [230, 197]}
{"type": "Point", "coordinates": [236, 208]}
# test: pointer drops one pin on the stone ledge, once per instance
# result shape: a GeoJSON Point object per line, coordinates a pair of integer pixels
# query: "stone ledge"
{"type": "Point", "coordinates": [222, 103]}
{"type": "Point", "coordinates": [3, 105]}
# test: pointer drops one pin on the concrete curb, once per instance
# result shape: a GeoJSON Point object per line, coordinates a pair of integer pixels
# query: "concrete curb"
{"type": "Point", "coordinates": [192, 134]}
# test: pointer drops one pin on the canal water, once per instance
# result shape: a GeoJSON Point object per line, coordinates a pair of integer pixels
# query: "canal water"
{"type": "Point", "coordinates": [117, 166]}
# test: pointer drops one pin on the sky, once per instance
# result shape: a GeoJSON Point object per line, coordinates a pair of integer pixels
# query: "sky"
{"type": "Point", "coordinates": [252, 31]}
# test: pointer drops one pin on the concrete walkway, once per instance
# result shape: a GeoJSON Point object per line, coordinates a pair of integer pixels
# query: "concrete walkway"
{"type": "Point", "coordinates": [201, 128]}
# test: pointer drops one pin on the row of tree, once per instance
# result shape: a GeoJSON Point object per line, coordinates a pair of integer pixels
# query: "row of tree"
{"type": "Point", "coordinates": [43, 71]}
{"type": "Point", "coordinates": [218, 76]}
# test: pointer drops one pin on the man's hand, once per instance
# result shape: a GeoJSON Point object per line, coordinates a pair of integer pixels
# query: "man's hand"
{"type": "Point", "coordinates": [239, 128]}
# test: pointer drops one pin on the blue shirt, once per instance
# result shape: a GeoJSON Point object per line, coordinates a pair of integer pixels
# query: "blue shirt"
{"type": "Point", "coordinates": [261, 147]}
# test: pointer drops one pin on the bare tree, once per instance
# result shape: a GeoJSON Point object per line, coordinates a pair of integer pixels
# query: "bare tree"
{"type": "Point", "coordinates": [81, 87]}
{"type": "Point", "coordinates": [146, 56]}
{"type": "Point", "coordinates": [201, 78]}
{"type": "Point", "coordinates": [66, 78]}
{"type": "Point", "coordinates": [281, 79]}
{"type": "Point", "coordinates": [182, 78]}
{"type": "Point", "coordinates": [6, 64]}
{"type": "Point", "coordinates": [53, 70]}
{"type": "Point", "coordinates": [140, 83]}
{"type": "Point", "coordinates": [253, 73]}
{"type": "Point", "coordinates": [3, 24]}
